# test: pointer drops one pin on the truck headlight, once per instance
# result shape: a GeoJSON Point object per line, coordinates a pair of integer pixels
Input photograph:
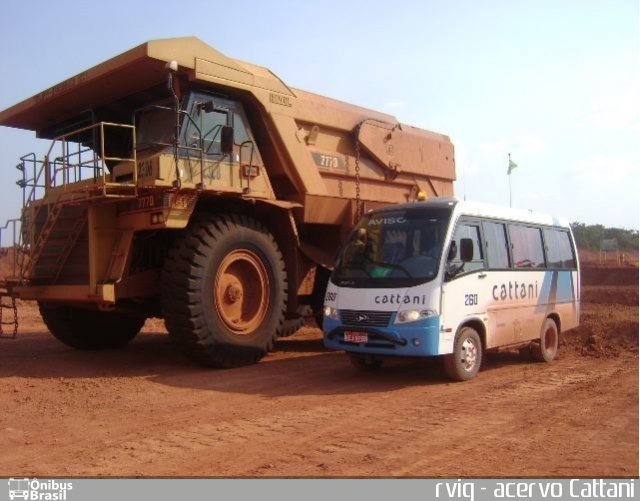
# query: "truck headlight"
{"type": "Point", "coordinates": [407, 316]}
{"type": "Point", "coordinates": [331, 313]}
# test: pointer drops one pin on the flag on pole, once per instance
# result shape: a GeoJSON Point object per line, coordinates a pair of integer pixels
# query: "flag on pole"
{"type": "Point", "coordinates": [512, 165]}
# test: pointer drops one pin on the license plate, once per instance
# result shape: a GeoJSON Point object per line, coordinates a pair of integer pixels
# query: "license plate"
{"type": "Point", "coordinates": [356, 337]}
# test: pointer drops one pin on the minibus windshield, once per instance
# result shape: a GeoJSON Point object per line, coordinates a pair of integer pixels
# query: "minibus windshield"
{"type": "Point", "coordinates": [394, 248]}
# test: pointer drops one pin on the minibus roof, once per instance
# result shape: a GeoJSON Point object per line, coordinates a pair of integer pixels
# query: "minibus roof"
{"type": "Point", "coordinates": [477, 209]}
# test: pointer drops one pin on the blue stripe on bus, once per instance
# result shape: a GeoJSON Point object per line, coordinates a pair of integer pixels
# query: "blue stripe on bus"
{"type": "Point", "coordinates": [557, 287]}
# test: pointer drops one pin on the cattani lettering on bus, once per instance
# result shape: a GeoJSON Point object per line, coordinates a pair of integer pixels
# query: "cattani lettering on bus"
{"type": "Point", "coordinates": [400, 299]}
{"type": "Point", "coordinates": [515, 290]}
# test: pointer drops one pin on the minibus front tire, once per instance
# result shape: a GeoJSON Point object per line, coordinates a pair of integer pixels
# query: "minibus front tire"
{"type": "Point", "coordinates": [464, 363]}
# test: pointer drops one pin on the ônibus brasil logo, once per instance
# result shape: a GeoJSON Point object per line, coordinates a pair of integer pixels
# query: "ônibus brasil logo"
{"type": "Point", "coordinates": [40, 490]}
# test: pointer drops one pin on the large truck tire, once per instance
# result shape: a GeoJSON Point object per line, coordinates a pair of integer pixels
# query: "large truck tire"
{"type": "Point", "coordinates": [291, 326]}
{"type": "Point", "coordinates": [224, 290]}
{"type": "Point", "coordinates": [89, 329]}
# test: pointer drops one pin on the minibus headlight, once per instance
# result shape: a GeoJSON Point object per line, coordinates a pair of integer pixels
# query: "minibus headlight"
{"type": "Point", "coordinates": [407, 316]}
{"type": "Point", "coordinates": [331, 313]}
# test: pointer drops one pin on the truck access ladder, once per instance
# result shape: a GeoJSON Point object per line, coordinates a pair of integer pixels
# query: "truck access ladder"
{"type": "Point", "coordinates": [8, 304]}
{"type": "Point", "coordinates": [56, 240]}
{"type": "Point", "coordinates": [9, 265]}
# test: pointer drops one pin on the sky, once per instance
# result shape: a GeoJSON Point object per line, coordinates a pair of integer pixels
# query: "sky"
{"type": "Point", "coordinates": [554, 83]}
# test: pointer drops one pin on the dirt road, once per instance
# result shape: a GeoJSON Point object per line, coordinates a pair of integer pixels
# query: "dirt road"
{"type": "Point", "coordinates": [302, 411]}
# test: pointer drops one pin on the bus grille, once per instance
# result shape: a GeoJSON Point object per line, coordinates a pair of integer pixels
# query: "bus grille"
{"type": "Point", "coordinates": [366, 318]}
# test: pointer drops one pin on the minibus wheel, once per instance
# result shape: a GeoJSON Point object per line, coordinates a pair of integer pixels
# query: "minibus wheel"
{"type": "Point", "coordinates": [547, 348]}
{"type": "Point", "coordinates": [464, 363]}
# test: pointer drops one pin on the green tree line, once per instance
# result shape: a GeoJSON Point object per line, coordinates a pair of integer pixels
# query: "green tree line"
{"type": "Point", "coordinates": [589, 237]}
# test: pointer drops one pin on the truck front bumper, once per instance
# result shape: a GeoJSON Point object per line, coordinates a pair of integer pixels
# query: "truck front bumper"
{"type": "Point", "coordinates": [100, 294]}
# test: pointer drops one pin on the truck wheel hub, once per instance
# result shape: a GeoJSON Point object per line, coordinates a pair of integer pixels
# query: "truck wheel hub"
{"type": "Point", "coordinates": [234, 292]}
{"type": "Point", "coordinates": [241, 291]}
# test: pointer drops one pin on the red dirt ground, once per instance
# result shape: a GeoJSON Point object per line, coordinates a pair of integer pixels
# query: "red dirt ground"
{"type": "Point", "coordinates": [304, 411]}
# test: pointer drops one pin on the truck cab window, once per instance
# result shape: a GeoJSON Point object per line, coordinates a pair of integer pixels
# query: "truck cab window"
{"type": "Point", "coordinates": [239, 129]}
{"type": "Point", "coordinates": [155, 128]}
{"type": "Point", "coordinates": [241, 135]}
{"type": "Point", "coordinates": [206, 124]}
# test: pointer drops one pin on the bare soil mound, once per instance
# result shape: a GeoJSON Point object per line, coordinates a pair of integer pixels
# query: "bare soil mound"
{"type": "Point", "coordinates": [591, 341]}
{"type": "Point", "coordinates": [599, 294]}
{"type": "Point", "coordinates": [597, 275]}
{"type": "Point", "coordinates": [605, 330]}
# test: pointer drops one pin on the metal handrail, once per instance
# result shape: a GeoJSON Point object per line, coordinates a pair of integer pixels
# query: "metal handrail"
{"type": "Point", "coordinates": [63, 170]}
{"type": "Point", "coordinates": [62, 164]}
{"type": "Point", "coordinates": [59, 172]}
{"type": "Point", "coordinates": [16, 242]}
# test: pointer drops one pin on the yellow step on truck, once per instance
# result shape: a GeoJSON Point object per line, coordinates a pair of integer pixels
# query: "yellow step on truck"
{"type": "Point", "coordinates": [186, 185]}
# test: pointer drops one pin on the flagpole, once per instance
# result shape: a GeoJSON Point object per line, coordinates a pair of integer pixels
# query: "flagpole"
{"type": "Point", "coordinates": [510, 205]}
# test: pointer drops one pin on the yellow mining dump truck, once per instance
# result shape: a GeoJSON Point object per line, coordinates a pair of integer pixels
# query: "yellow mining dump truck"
{"type": "Point", "coordinates": [186, 185]}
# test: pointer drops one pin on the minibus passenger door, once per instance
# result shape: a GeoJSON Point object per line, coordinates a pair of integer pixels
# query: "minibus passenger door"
{"type": "Point", "coordinates": [503, 325]}
{"type": "Point", "coordinates": [466, 289]}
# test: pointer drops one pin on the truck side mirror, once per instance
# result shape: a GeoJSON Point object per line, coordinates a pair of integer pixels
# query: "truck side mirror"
{"type": "Point", "coordinates": [207, 107]}
{"type": "Point", "coordinates": [466, 250]}
{"type": "Point", "coordinates": [226, 140]}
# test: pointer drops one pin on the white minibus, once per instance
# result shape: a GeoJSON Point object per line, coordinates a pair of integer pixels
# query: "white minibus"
{"type": "Point", "coordinates": [452, 278]}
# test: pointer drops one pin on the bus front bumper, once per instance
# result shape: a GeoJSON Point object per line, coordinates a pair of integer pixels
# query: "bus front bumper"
{"type": "Point", "coordinates": [416, 339]}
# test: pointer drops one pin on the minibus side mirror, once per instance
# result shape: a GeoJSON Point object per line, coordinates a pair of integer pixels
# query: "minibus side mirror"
{"type": "Point", "coordinates": [466, 250]}
{"type": "Point", "coordinates": [453, 250]}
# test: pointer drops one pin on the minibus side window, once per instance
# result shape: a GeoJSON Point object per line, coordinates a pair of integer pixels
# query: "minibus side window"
{"type": "Point", "coordinates": [526, 246]}
{"type": "Point", "coordinates": [559, 249]}
{"type": "Point", "coordinates": [496, 245]}
{"type": "Point", "coordinates": [455, 264]}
